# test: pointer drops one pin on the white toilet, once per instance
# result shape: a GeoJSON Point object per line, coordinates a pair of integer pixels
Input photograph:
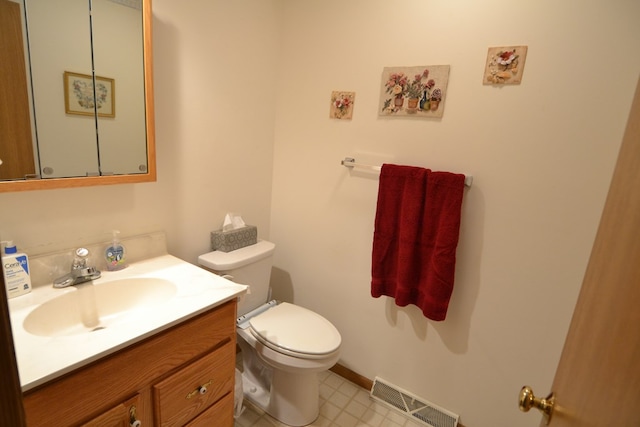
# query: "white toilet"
{"type": "Point", "coordinates": [292, 343]}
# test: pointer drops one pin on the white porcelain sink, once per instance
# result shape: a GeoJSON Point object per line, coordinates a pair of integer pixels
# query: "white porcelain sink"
{"type": "Point", "coordinates": [56, 331]}
{"type": "Point", "coordinates": [90, 307]}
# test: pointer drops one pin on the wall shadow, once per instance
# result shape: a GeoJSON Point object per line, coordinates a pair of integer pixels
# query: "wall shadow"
{"type": "Point", "coordinates": [454, 330]}
{"type": "Point", "coordinates": [281, 285]}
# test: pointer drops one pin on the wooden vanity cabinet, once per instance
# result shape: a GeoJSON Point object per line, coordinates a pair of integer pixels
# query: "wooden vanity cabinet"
{"type": "Point", "coordinates": [183, 376]}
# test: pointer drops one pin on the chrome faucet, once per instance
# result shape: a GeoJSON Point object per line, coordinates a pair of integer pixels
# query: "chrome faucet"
{"type": "Point", "coordinates": [80, 272]}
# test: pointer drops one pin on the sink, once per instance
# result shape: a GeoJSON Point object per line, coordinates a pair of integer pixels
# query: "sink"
{"type": "Point", "coordinates": [56, 331]}
{"type": "Point", "coordinates": [93, 306]}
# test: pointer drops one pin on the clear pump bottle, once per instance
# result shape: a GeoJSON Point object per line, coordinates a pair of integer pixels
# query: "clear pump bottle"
{"type": "Point", "coordinates": [115, 254]}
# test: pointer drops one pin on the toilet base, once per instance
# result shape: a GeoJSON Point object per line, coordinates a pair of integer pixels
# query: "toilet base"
{"type": "Point", "coordinates": [283, 385]}
{"type": "Point", "coordinates": [255, 393]}
{"type": "Point", "coordinates": [292, 400]}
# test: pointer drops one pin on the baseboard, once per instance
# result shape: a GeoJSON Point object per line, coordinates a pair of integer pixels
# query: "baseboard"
{"type": "Point", "coordinates": [356, 378]}
{"type": "Point", "coordinates": [352, 376]}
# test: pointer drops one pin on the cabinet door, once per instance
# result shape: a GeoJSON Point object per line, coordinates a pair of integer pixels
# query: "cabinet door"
{"type": "Point", "coordinates": [219, 415]}
{"type": "Point", "coordinates": [122, 415]}
{"type": "Point", "coordinates": [59, 41]}
{"type": "Point", "coordinates": [194, 388]}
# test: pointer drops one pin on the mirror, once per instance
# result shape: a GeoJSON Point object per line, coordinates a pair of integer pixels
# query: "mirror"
{"type": "Point", "coordinates": [82, 94]}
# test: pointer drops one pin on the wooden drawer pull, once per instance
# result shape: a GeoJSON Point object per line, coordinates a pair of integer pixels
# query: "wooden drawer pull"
{"type": "Point", "coordinates": [200, 390]}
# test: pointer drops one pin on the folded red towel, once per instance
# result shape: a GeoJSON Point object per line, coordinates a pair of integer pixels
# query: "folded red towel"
{"type": "Point", "coordinates": [417, 226]}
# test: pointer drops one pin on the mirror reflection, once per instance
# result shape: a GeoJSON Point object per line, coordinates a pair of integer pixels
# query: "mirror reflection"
{"type": "Point", "coordinates": [79, 69]}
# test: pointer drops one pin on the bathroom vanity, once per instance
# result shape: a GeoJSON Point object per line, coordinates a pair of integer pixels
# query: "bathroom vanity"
{"type": "Point", "coordinates": [180, 377]}
{"type": "Point", "coordinates": [151, 345]}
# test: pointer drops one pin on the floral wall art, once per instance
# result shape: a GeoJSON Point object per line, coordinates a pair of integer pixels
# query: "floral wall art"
{"type": "Point", "coordinates": [79, 97]}
{"type": "Point", "coordinates": [342, 105]}
{"type": "Point", "coordinates": [414, 91]}
{"type": "Point", "coordinates": [505, 65]}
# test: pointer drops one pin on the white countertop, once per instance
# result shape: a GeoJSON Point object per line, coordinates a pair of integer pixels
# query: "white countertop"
{"type": "Point", "coordinates": [43, 358]}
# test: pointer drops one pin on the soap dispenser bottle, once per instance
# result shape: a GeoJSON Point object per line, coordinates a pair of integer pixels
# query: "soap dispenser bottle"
{"type": "Point", "coordinates": [115, 254]}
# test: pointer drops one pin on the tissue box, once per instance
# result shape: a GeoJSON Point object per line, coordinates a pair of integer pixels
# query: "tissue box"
{"type": "Point", "coordinates": [227, 241]}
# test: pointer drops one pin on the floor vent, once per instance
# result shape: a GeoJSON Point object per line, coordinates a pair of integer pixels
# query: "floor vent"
{"type": "Point", "coordinates": [412, 406]}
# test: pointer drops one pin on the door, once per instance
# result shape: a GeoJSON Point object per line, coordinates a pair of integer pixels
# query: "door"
{"type": "Point", "coordinates": [16, 149]}
{"type": "Point", "coordinates": [597, 381]}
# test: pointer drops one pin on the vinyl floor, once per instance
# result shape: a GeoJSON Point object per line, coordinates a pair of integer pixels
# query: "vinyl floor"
{"type": "Point", "coordinates": [342, 404]}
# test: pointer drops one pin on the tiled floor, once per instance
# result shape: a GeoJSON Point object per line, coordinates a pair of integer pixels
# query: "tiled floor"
{"type": "Point", "coordinates": [342, 404]}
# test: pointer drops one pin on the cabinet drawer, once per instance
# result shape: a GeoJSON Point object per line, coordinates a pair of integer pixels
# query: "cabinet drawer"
{"type": "Point", "coordinates": [180, 397]}
{"type": "Point", "coordinates": [118, 416]}
{"type": "Point", "coordinates": [219, 415]}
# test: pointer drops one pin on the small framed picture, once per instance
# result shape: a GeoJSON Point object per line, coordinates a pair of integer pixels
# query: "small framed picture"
{"type": "Point", "coordinates": [342, 105]}
{"type": "Point", "coordinates": [79, 95]}
{"type": "Point", "coordinates": [505, 65]}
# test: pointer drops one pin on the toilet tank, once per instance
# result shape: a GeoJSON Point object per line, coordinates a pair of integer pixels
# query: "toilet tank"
{"type": "Point", "coordinates": [249, 266]}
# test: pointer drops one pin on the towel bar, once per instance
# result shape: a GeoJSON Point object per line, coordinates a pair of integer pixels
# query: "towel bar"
{"type": "Point", "coordinates": [350, 162]}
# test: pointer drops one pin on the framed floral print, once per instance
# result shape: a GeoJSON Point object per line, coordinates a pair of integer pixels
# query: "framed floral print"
{"type": "Point", "coordinates": [79, 95]}
{"type": "Point", "coordinates": [414, 91]}
{"type": "Point", "coordinates": [342, 105]}
{"type": "Point", "coordinates": [505, 65]}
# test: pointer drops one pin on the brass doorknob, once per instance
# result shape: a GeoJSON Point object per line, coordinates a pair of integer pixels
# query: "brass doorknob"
{"type": "Point", "coordinates": [528, 401]}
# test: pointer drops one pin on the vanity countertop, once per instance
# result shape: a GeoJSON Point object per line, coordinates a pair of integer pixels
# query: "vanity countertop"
{"type": "Point", "coordinates": [43, 358]}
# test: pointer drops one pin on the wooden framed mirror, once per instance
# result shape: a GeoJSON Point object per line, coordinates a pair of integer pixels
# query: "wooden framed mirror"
{"type": "Point", "coordinates": [111, 52]}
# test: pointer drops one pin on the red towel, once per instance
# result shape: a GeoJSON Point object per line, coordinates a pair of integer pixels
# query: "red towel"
{"type": "Point", "coordinates": [415, 238]}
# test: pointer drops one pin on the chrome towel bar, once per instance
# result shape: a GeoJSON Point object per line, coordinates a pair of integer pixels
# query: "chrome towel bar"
{"type": "Point", "coordinates": [350, 162]}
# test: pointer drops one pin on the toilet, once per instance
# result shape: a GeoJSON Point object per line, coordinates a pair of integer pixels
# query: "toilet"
{"type": "Point", "coordinates": [284, 346]}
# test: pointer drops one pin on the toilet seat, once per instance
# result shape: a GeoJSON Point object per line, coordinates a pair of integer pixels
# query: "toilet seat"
{"type": "Point", "coordinates": [295, 331]}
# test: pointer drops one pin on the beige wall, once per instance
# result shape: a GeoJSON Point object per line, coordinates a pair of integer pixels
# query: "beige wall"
{"type": "Point", "coordinates": [542, 155]}
{"type": "Point", "coordinates": [242, 95]}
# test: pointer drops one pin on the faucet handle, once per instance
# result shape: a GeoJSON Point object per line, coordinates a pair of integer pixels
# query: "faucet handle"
{"type": "Point", "coordinates": [80, 261]}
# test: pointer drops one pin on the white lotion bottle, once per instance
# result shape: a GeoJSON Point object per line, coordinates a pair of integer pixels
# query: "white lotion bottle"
{"type": "Point", "coordinates": [15, 267]}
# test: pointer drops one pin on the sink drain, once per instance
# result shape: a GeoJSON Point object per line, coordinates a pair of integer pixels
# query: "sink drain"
{"type": "Point", "coordinates": [98, 328]}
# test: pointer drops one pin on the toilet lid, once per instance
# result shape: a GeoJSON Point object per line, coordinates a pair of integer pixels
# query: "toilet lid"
{"type": "Point", "coordinates": [296, 329]}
